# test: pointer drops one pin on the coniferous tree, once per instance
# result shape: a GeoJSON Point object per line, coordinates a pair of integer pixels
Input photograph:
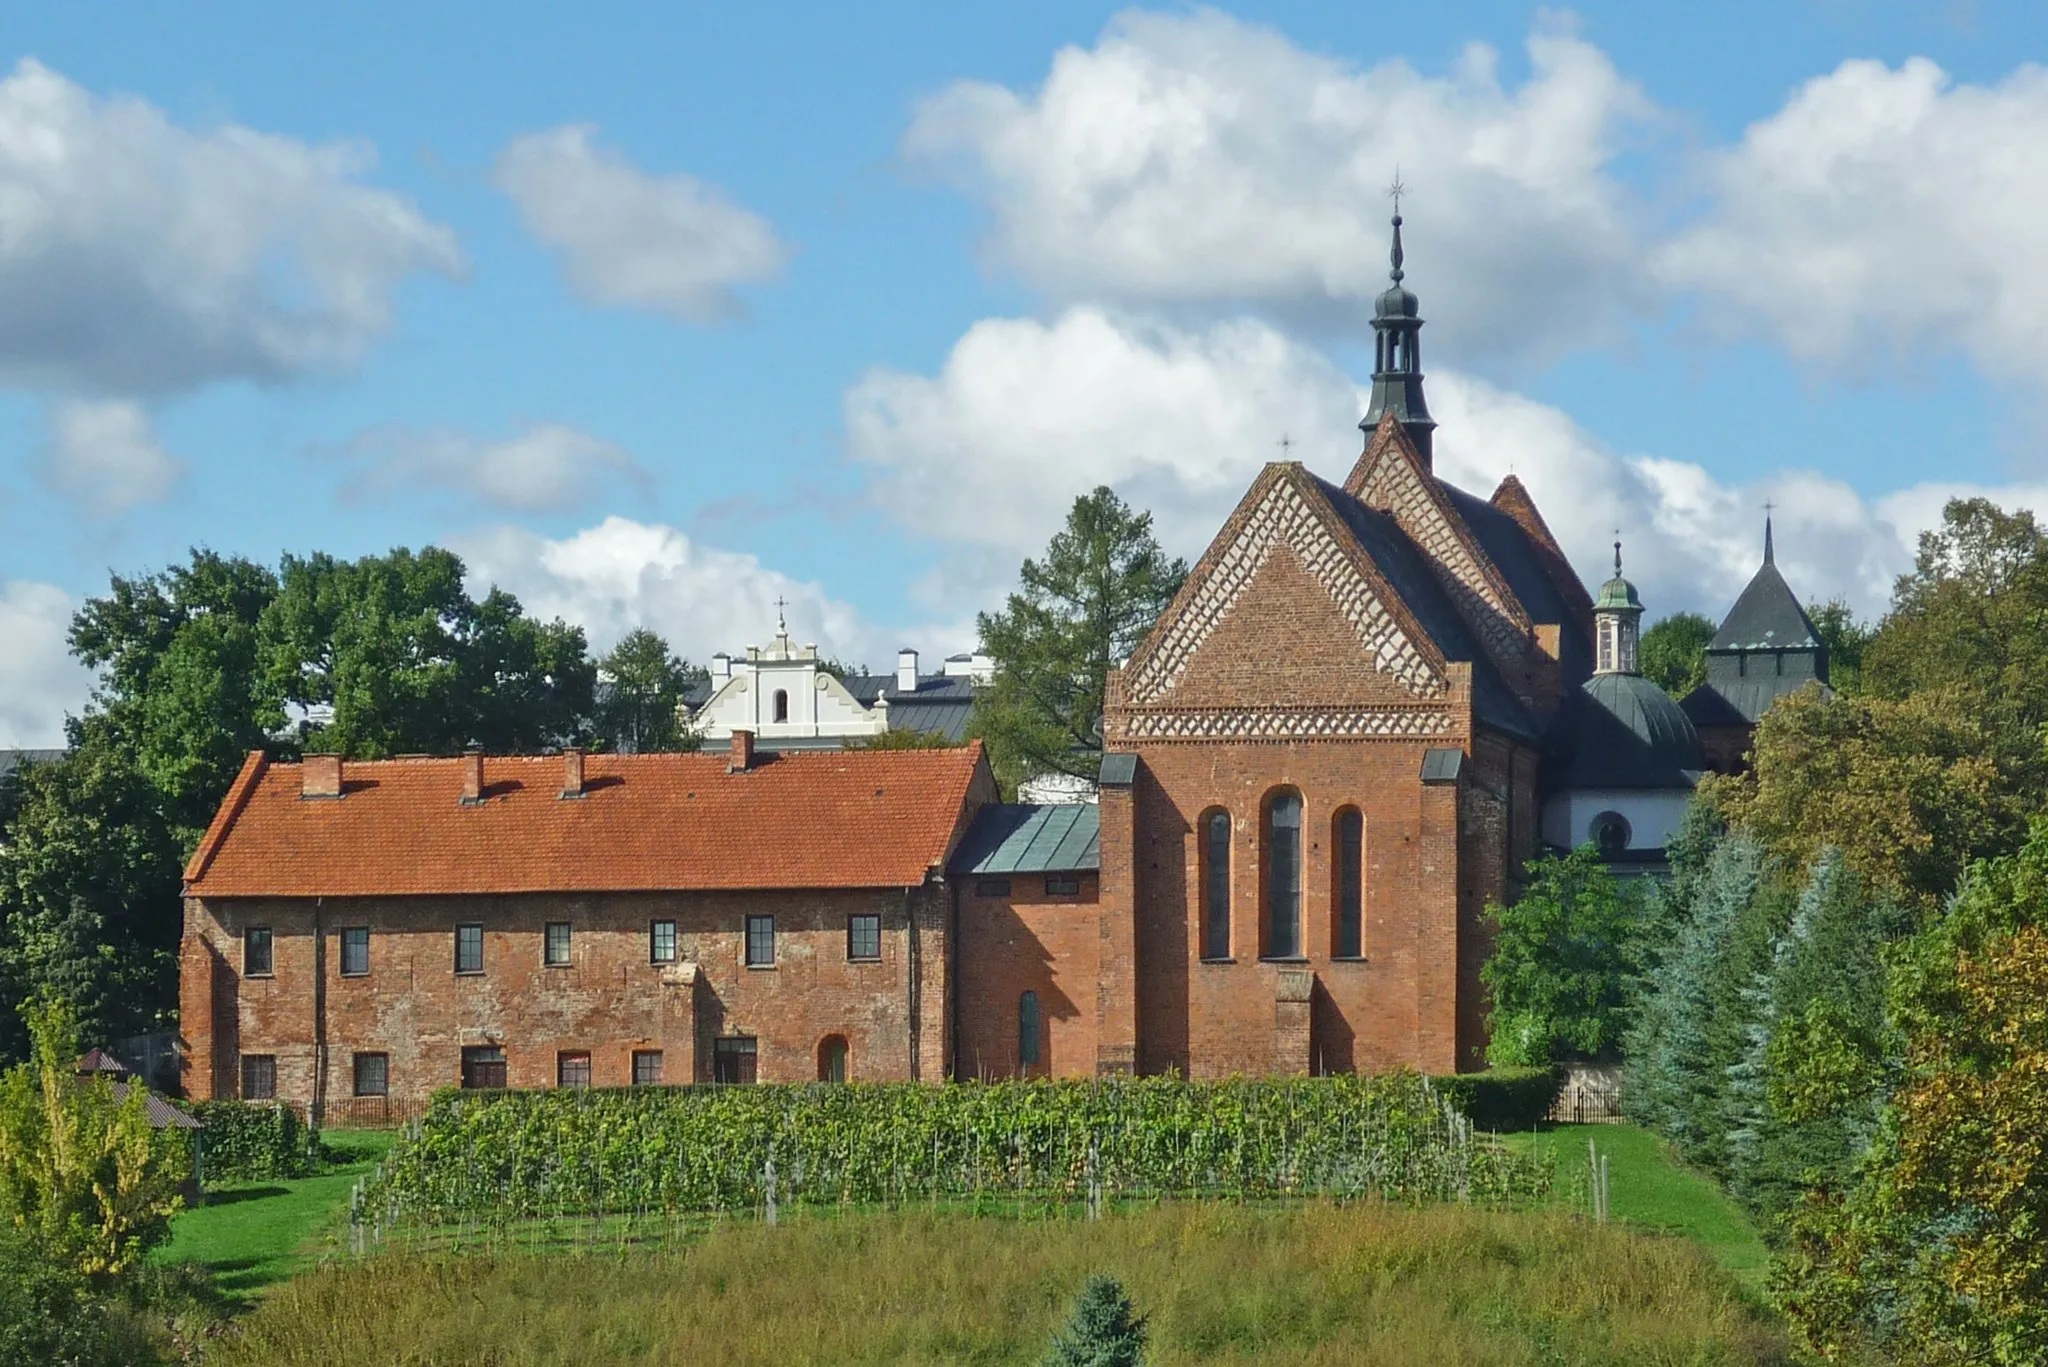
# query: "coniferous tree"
{"type": "Point", "coordinates": [1081, 610]}
{"type": "Point", "coordinates": [1104, 1330]}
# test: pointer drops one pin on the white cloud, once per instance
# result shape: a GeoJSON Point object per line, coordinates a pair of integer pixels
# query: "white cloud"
{"type": "Point", "coordinates": [669, 243]}
{"type": "Point", "coordinates": [545, 467]}
{"type": "Point", "coordinates": [105, 454]}
{"type": "Point", "coordinates": [622, 574]}
{"type": "Point", "coordinates": [139, 257]}
{"type": "Point", "coordinates": [1197, 159]}
{"type": "Point", "coordinates": [1883, 216]}
{"type": "Point", "coordinates": [987, 456]}
{"type": "Point", "coordinates": [39, 679]}
{"type": "Point", "coordinates": [1025, 416]}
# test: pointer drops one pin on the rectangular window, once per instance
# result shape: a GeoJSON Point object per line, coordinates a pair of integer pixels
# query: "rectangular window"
{"type": "Point", "coordinates": [864, 937]}
{"type": "Point", "coordinates": [355, 951]}
{"type": "Point", "coordinates": [760, 941]}
{"type": "Point", "coordinates": [733, 1058]}
{"type": "Point", "coordinates": [572, 1069]}
{"type": "Point", "coordinates": [483, 1067]}
{"type": "Point", "coordinates": [557, 951]}
{"type": "Point", "coordinates": [992, 887]}
{"type": "Point", "coordinates": [1350, 875]}
{"type": "Point", "coordinates": [259, 1077]}
{"type": "Point", "coordinates": [1062, 887]}
{"type": "Point", "coordinates": [647, 1067]}
{"type": "Point", "coordinates": [1216, 885]}
{"type": "Point", "coordinates": [257, 952]}
{"type": "Point", "coordinates": [469, 949]}
{"type": "Point", "coordinates": [373, 1074]}
{"type": "Point", "coordinates": [661, 942]}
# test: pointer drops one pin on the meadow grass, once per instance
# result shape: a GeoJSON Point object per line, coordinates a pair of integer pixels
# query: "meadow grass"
{"type": "Point", "coordinates": [252, 1235]}
{"type": "Point", "coordinates": [1313, 1282]}
{"type": "Point", "coordinates": [1650, 1187]}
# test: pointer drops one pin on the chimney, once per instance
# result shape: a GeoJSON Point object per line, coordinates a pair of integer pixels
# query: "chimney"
{"type": "Point", "coordinates": [721, 667]}
{"type": "Point", "coordinates": [906, 670]}
{"type": "Point", "coordinates": [320, 776]}
{"type": "Point", "coordinates": [572, 771]}
{"type": "Point", "coordinates": [742, 758]}
{"type": "Point", "coordinates": [472, 777]}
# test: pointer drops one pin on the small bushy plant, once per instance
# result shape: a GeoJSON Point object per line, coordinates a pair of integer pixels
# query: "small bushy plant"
{"type": "Point", "coordinates": [248, 1140]}
{"type": "Point", "coordinates": [1504, 1100]}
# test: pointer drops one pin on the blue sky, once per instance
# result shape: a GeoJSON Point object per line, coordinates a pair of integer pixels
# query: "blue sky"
{"type": "Point", "coordinates": [658, 313]}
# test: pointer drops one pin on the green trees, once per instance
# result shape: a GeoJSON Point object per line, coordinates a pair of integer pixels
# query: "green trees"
{"type": "Point", "coordinates": [1560, 967]}
{"type": "Point", "coordinates": [642, 688]}
{"type": "Point", "coordinates": [1104, 1331]}
{"type": "Point", "coordinates": [1673, 653]}
{"type": "Point", "coordinates": [1936, 1253]}
{"type": "Point", "coordinates": [1082, 609]}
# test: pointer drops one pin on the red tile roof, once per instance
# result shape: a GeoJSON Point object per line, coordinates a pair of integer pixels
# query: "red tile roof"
{"type": "Point", "coordinates": [820, 819]}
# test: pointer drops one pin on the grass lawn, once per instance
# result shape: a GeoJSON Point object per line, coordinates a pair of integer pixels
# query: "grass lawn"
{"type": "Point", "coordinates": [255, 1234]}
{"type": "Point", "coordinates": [1306, 1283]}
{"type": "Point", "coordinates": [1648, 1186]}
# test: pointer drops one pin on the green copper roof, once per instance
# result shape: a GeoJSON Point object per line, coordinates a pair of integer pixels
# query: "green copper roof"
{"type": "Point", "coordinates": [1628, 733]}
{"type": "Point", "coordinates": [1031, 838]}
{"type": "Point", "coordinates": [1617, 594]}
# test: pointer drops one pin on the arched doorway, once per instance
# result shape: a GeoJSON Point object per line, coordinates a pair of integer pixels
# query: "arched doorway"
{"type": "Point", "coordinates": [832, 1057]}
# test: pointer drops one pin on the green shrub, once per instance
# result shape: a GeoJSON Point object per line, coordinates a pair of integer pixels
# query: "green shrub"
{"type": "Point", "coordinates": [572, 1151]}
{"type": "Point", "coordinates": [1501, 1100]}
{"type": "Point", "coordinates": [50, 1317]}
{"type": "Point", "coordinates": [246, 1140]}
{"type": "Point", "coordinates": [1105, 1330]}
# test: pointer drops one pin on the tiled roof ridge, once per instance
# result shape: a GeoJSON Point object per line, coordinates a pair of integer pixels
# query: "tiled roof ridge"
{"type": "Point", "coordinates": [1513, 498]}
{"type": "Point", "coordinates": [231, 807]}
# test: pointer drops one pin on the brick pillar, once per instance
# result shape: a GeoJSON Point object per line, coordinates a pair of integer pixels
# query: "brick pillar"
{"type": "Point", "coordinates": [1116, 988]}
{"type": "Point", "coordinates": [1437, 924]}
{"type": "Point", "coordinates": [1291, 1044]}
{"type": "Point", "coordinates": [679, 1023]}
{"type": "Point", "coordinates": [195, 1018]}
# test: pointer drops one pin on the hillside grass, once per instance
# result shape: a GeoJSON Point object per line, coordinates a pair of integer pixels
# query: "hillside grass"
{"type": "Point", "coordinates": [1648, 1186]}
{"type": "Point", "coordinates": [1306, 1283]}
{"type": "Point", "coordinates": [253, 1235]}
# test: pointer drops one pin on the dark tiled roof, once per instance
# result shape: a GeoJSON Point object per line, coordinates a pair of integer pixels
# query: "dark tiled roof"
{"type": "Point", "coordinates": [1403, 565]}
{"type": "Point", "coordinates": [1507, 544]}
{"type": "Point", "coordinates": [100, 1061]}
{"type": "Point", "coordinates": [841, 819]}
{"type": "Point", "coordinates": [1031, 838]}
{"type": "Point", "coordinates": [161, 1113]}
{"type": "Point", "coordinates": [1766, 617]}
{"type": "Point", "coordinates": [1740, 701]}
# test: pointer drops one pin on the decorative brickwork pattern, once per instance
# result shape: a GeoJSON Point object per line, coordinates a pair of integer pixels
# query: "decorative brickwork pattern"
{"type": "Point", "coordinates": [1357, 723]}
{"type": "Point", "coordinates": [1398, 486]}
{"type": "Point", "coordinates": [1283, 518]}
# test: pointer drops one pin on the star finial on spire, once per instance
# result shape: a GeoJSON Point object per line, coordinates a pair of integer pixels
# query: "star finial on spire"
{"type": "Point", "coordinates": [1394, 192]}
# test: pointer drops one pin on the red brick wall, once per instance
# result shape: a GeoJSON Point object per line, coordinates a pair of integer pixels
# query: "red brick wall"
{"type": "Point", "coordinates": [609, 1001]}
{"type": "Point", "coordinates": [1028, 942]}
{"type": "Point", "coordinates": [1398, 1004]}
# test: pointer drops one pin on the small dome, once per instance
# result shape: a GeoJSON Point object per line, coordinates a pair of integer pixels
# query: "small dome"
{"type": "Point", "coordinates": [1630, 734]}
{"type": "Point", "coordinates": [1398, 301]}
{"type": "Point", "coordinates": [1618, 594]}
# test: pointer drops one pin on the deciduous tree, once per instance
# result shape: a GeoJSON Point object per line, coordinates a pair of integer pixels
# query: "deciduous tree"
{"type": "Point", "coordinates": [640, 691]}
{"type": "Point", "coordinates": [1559, 972]}
{"type": "Point", "coordinates": [1673, 652]}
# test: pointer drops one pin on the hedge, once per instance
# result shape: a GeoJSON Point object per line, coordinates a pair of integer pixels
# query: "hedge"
{"type": "Point", "coordinates": [709, 1148]}
{"type": "Point", "coordinates": [1504, 1099]}
{"type": "Point", "coordinates": [252, 1139]}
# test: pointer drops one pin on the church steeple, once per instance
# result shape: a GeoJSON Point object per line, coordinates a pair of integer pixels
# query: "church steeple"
{"type": "Point", "coordinates": [1617, 623]}
{"type": "Point", "coordinates": [1397, 360]}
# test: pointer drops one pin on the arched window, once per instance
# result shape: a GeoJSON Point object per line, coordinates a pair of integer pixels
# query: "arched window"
{"type": "Point", "coordinates": [1027, 1032]}
{"type": "Point", "coordinates": [1347, 843]}
{"type": "Point", "coordinates": [1283, 874]}
{"type": "Point", "coordinates": [1610, 834]}
{"type": "Point", "coordinates": [781, 704]}
{"type": "Point", "coordinates": [1214, 833]}
{"type": "Point", "coordinates": [832, 1058]}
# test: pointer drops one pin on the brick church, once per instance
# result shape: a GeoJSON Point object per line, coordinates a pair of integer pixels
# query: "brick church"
{"type": "Point", "coordinates": [1370, 703]}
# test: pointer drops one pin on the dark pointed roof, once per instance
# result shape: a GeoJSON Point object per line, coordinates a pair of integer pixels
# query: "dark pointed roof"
{"type": "Point", "coordinates": [1767, 616]}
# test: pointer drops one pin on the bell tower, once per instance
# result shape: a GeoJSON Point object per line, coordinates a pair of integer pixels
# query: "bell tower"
{"type": "Point", "coordinates": [1397, 358]}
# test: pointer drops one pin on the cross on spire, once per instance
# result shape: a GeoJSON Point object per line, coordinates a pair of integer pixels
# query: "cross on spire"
{"type": "Point", "coordinates": [781, 623]}
{"type": "Point", "coordinates": [1769, 557]}
{"type": "Point", "coordinates": [1286, 444]}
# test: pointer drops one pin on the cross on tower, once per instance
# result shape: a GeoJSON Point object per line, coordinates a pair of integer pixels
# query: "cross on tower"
{"type": "Point", "coordinates": [1286, 444]}
{"type": "Point", "coordinates": [781, 624]}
